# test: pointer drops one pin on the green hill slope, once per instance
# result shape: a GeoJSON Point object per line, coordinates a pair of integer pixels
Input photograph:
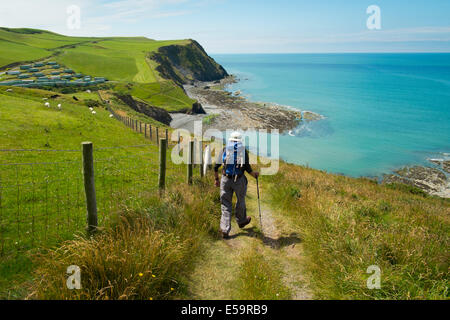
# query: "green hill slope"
{"type": "Point", "coordinates": [41, 189]}
{"type": "Point", "coordinates": [139, 62]}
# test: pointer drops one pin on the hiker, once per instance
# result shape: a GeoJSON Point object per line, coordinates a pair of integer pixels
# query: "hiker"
{"type": "Point", "coordinates": [235, 160]}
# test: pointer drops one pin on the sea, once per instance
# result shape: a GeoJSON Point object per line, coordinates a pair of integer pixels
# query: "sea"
{"type": "Point", "coordinates": [381, 111]}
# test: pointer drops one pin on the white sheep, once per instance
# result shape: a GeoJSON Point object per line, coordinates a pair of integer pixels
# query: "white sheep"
{"type": "Point", "coordinates": [47, 105]}
{"type": "Point", "coordinates": [93, 112]}
{"type": "Point", "coordinates": [90, 108]}
{"type": "Point", "coordinates": [111, 115]}
{"type": "Point", "coordinates": [59, 105]}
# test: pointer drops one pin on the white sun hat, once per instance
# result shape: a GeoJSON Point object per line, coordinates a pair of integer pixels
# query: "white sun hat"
{"type": "Point", "coordinates": [235, 136]}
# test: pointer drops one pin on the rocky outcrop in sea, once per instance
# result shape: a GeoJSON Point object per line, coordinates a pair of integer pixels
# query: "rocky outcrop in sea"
{"type": "Point", "coordinates": [434, 181]}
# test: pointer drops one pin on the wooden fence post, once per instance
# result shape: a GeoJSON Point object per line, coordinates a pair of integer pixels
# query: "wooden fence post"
{"type": "Point", "coordinates": [162, 164]}
{"type": "Point", "coordinates": [190, 162]}
{"type": "Point", "coordinates": [157, 134]}
{"type": "Point", "coordinates": [150, 132]}
{"type": "Point", "coordinates": [167, 134]}
{"type": "Point", "coordinates": [145, 130]}
{"type": "Point", "coordinates": [89, 187]}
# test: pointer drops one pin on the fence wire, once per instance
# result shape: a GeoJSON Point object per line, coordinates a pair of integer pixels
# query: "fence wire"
{"type": "Point", "coordinates": [43, 203]}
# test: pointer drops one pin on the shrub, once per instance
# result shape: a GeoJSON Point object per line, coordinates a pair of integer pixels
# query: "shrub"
{"type": "Point", "coordinates": [91, 103]}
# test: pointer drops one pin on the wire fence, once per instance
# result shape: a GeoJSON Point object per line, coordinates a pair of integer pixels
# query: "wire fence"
{"type": "Point", "coordinates": [153, 133]}
{"type": "Point", "coordinates": [43, 203]}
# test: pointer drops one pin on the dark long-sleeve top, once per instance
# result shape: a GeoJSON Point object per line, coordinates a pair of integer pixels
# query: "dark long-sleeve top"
{"type": "Point", "coordinates": [219, 162]}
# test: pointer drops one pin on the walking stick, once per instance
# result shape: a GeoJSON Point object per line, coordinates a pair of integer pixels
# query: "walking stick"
{"type": "Point", "coordinates": [259, 206]}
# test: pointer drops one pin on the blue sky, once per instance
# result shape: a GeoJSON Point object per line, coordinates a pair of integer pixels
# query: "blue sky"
{"type": "Point", "coordinates": [250, 26]}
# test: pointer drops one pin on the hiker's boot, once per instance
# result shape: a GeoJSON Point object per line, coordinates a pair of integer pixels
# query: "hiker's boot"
{"type": "Point", "coordinates": [225, 235]}
{"type": "Point", "coordinates": [246, 222]}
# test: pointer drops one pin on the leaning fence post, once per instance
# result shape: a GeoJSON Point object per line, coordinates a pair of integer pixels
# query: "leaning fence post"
{"type": "Point", "coordinates": [89, 187]}
{"type": "Point", "coordinates": [162, 164]}
{"type": "Point", "coordinates": [190, 162]}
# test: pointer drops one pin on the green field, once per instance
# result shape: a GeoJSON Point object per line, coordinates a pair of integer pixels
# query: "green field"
{"type": "Point", "coordinates": [17, 45]}
{"type": "Point", "coordinates": [122, 60]}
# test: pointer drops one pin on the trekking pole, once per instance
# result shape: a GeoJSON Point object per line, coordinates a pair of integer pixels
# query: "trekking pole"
{"type": "Point", "coordinates": [259, 206]}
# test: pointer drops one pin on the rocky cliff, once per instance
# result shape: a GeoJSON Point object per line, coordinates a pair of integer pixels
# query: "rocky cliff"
{"type": "Point", "coordinates": [156, 113]}
{"type": "Point", "coordinates": [187, 63]}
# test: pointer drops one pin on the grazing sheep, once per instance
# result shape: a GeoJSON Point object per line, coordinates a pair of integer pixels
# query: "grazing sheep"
{"type": "Point", "coordinates": [47, 105]}
{"type": "Point", "coordinates": [93, 112]}
{"type": "Point", "coordinates": [8, 90]}
{"type": "Point", "coordinates": [111, 115]}
{"type": "Point", "coordinates": [59, 105]}
{"type": "Point", "coordinates": [90, 108]}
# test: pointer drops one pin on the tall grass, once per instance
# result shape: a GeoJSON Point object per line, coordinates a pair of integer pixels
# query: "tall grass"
{"type": "Point", "coordinates": [349, 224]}
{"type": "Point", "coordinates": [147, 254]}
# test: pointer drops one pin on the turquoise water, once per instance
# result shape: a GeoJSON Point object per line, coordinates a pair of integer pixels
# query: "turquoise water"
{"type": "Point", "coordinates": [383, 111]}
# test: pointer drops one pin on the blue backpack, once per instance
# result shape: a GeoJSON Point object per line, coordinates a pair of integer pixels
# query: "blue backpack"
{"type": "Point", "coordinates": [234, 158]}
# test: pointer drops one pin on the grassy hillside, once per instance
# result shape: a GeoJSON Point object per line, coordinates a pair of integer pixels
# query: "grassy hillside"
{"type": "Point", "coordinates": [347, 225]}
{"type": "Point", "coordinates": [18, 45]}
{"type": "Point", "coordinates": [125, 61]}
{"type": "Point", "coordinates": [116, 59]}
{"type": "Point", "coordinates": [42, 192]}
